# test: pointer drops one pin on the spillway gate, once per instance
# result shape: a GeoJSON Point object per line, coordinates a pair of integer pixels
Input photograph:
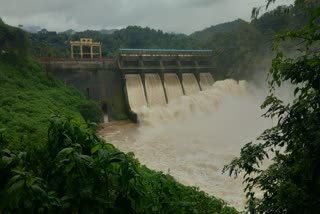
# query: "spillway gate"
{"type": "Point", "coordinates": [155, 77]}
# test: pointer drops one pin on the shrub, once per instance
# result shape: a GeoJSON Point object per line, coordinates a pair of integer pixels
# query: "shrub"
{"type": "Point", "coordinates": [91, 111]}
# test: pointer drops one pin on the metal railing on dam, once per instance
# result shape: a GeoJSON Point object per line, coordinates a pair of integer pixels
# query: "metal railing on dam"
{"type": "Point", "coordinates": [163, 59]}
{"type": "Point", "coordinates": [75, 59]}
{"type": "Point", "coordinates": [77, 63]}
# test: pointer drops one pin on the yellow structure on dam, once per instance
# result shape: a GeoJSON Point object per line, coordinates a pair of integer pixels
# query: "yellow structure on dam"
{"type": "Point", "coordinates": [86, 49]}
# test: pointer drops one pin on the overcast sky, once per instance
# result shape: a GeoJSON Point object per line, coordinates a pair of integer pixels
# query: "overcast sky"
{"type": "Point", "coordinates": [180, 16]}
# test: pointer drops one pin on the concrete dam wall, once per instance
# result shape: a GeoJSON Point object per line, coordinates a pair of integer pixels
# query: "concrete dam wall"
{"type": "Point", "coordinates": [137, 78]}
{"type": "Point", "coordinates": [97, 80]}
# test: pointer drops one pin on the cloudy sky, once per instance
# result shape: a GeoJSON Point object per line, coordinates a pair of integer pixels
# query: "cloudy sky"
{"type": "Point", "coordinates": [180, 16]}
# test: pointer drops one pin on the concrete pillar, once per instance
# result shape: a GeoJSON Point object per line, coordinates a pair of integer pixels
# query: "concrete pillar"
{"type": "Point", "coordinates": [143, 78]}
{"type": "Point", "coordinates": [81, 52]}
{"type": "Point", "coordinates": [91, 51]}
{"type": "Point", "coordinates": [100, 52]}
{"type": "Point", "coordinates": [72, 52]}
{"type": "Point", "coordinates": [180, 76]}
{"type": "Point", "coordinates": [141, 64]}
{"type": "Point", "coordinates": [196, 73]}
{"type": "Point", "coordinates": [161, 64]}
{"type": "Point", "coordinates": [161, 74]}
{"type": "Point", "coordinates": [196, 63]}
{"type": "Point", "coordinates": [179, 63]}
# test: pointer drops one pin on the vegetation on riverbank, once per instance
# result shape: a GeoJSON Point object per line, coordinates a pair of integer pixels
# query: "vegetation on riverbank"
{"type": "Point", "coordinates": [28, 96]}
{"type": "Point", "coordinates": [291, 183]}
{"type": "Point", "coordinates": [76, 171]}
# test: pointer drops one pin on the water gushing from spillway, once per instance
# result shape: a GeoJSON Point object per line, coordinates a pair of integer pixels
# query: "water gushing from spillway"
{"type": "Point", "coordinates": [194, 136]}
{"type": "Point", "coordinates": [172, 86]}
{"type": "Point", "coordinates": [135, 91]}
{"type": "Point", "coordinates": [190, 84]}
{"type": "Point", "coordinates": [154, 89]}
{"type": "Point", "coordinates": [206, 81]}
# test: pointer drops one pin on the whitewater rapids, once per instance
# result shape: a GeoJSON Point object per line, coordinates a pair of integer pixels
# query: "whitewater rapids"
{"type": "Point", "coordinates": [194, 136]}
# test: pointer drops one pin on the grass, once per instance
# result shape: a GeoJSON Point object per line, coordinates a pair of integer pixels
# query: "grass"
{"type": "Point", "coordinates": [28, 97]}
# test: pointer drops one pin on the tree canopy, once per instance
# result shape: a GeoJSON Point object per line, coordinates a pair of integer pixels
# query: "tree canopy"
{"type": "Point", "coordinates": [291, 183]}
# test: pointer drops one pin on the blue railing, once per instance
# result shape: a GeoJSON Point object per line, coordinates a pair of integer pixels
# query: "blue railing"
{"type": "Point", "coordinates": [165, 51]}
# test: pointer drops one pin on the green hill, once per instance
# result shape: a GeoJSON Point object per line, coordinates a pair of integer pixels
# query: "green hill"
{"type": "Point", "coordinates": [220, 28]}
{"type": "Point", "coordinates": [28, 96]}
{"type": "Point", "coordinates": [52, 44]}
{"type": "Point", "coordinates": [245, 52]}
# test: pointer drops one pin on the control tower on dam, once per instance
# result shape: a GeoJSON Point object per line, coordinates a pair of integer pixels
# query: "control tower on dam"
{"type": "Point", "coordinates": [136, 77]}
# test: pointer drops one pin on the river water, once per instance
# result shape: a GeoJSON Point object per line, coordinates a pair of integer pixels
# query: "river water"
{"type": "Point", "coordinates": [194, 136]}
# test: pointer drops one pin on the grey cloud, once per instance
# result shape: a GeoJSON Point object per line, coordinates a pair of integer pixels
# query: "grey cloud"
{"type": "Point", "coordinates": [183, 16]}
{"type": "Point", "coordinates": [200, 3]}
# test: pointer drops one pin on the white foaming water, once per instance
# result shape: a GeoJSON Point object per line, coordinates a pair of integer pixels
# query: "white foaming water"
{"type": "Point", "coordinates": [206, 81]}
{"type": "Point", "coordinates": [193, 137]}
{"type": "Point", "coordinates": [203, 102]}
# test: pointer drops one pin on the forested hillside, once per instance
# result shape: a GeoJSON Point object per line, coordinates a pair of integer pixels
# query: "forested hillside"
{"type": "Point", "coordinates": [53, 44]}
{"type": "Point", "coordinates": [282, 165]}
{"type": "Point", "coordinates": [241, 49]}
{"type": "Point", "coordinates": [28, 96]}
{"type": "Point", "coordinates": [220, 28]}
{"type": "Point", "coordinates": [246, 50]}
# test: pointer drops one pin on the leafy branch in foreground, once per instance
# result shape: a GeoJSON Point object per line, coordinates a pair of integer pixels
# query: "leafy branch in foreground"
{"type": "Point", "coordinates": [78, 172]}
{"type": "Point", "coordinates": [291, 183]}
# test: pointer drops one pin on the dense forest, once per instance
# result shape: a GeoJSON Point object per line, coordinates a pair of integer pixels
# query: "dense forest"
{"type": "Point", "coordinates": [290, 183]}
{"type": "Point", "coordinates": [51, 159]}
{"type": "Point", "coordinates": [241, 49]}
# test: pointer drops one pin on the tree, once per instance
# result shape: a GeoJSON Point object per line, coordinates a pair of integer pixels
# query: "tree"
{"type": "Point", "coordinates": [291, 184]}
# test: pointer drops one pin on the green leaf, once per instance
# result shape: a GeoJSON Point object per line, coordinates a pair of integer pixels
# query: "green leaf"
{"type": "Point", "coordinates": [96, 148]}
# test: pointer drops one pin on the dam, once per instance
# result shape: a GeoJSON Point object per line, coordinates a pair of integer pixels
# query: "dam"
{"type": "Point", "coordinates": [190, 125]}
{"type": "Point", "coordinates": [137, 78]}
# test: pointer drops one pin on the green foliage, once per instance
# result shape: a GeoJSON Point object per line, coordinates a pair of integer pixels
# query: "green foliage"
{"type": "Point", "coordinates": [14, 45]}
{"type": "Point", "coordinates": [91, 111]}
{"type": "Point", "coordinates": [237, 51]}
{"type": "Point", "coordinates": [81, 173]}
{"type": "Point", "coordinates": [213, 30]}
{"type": "Point", "coordinates": [244, 52]}
{"type": "Point", "coordinates": [52, 44]}
{"type": "Point", "coordinates": [28, 97]}
{"type": "Point", "coordinates": [291, 183]}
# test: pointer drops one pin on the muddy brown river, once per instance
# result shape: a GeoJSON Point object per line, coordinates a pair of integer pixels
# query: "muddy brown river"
{"type": "Point", "coordinates": [193, 137]}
